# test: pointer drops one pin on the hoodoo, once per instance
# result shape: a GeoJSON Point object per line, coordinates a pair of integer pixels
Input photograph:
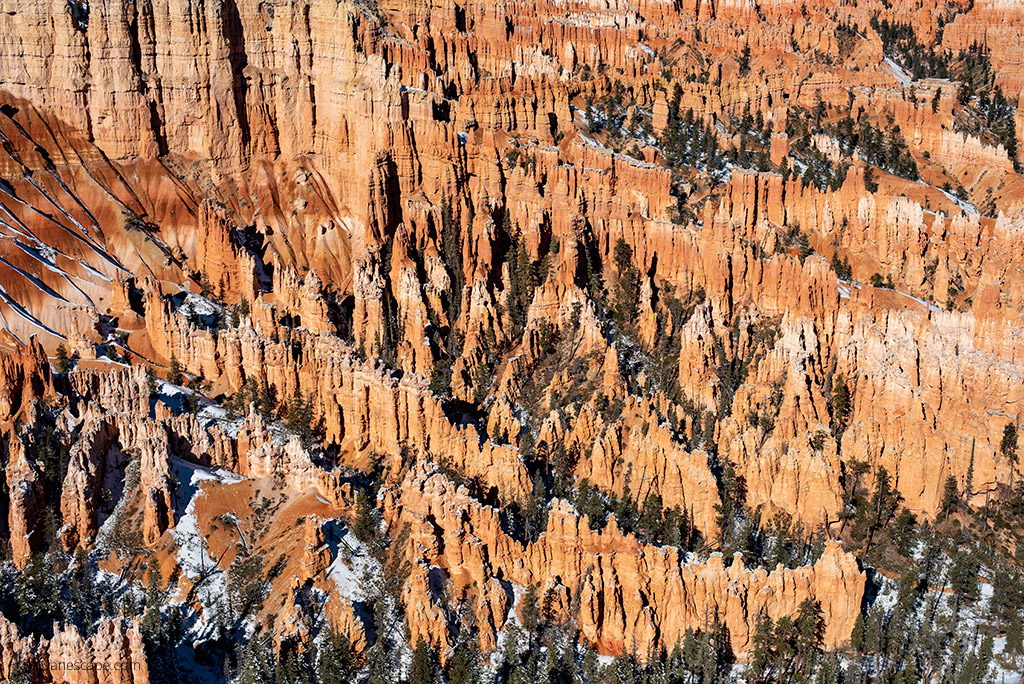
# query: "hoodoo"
{"type": "Point", "coordinates": [472, 342]}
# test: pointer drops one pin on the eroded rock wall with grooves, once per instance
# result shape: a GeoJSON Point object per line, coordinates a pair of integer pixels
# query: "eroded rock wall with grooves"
{"type": "Point", "coordinates": [496, 259]}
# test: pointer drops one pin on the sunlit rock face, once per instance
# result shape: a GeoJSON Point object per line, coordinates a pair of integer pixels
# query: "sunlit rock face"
{"type": "Point", "coordinates": [500, 284]}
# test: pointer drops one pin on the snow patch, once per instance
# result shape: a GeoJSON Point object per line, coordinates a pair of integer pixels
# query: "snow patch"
{"type": "Point", "coordinates": [351, 562]}
{"type": "Point", "coordinates": [898, 73]}
{"type": "Point", "coordinates": [210, 581]}
{"type": "Point", "coordinates": [963, 204]}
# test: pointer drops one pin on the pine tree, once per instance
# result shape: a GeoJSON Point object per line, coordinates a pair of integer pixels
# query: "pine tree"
{"type": "Point", "coordinates": [152, 621]}
{"type": "Point", "coordinates": [593, 120]}
{"type": "Point", "coordinates": [63, 360]}
{"type": "Point", "coordinates": [247, 584]}
{"type": "Point", "coordinates": [336, 662]}
{"type": "Point", "coordinates": [265, 399]}
{"type": "Point", "coordinates": [451, 248]}
{"type": "Point", "coordinates": [590, 667]}
{"type": "Point", "coordinates": [1008, 445]}
{"type": "Point", "coordinates": [481, 380]}
{"type": "Point", "coordinates": [810, 177]}
{"type": "Point", "coordinates": [293, 669]}
{"type": "Point", "coordinates": [84, 603]}
{"type": "Point", "coordinates": [627, 289]}
{"type": "Point", "coordinates": [884, 503]}
{"type": "Point", "coordinates": [530, 612]}
{"type": "Point", "coordinates": [520, 288]}
{"type": "Point", "coordinates": [421, 671]}
{"type": "Point", "coordinates": [1007, 598]}
{"type": "Point", "coordinates": [842, 267]}
{"type": "Point", "coordinates": [950, 497]}
{"type": "Point", "coordinates": [759, 667]}
{"type": "Point", "coordinates": [464, 665]}
{"type": "Point", "coordinates": [204, 283]}
{"type": "Point", "coordinates": [37, 594]}
{"type": "Point", "coordinates": [257, 664]}
{"type": "Point", "coordinates": [536, 510]}
{"type": "Point", "coordinates": [365, 524]}
{"type": "Point", "coordinates": [19, 672]}
{"type": "Point", "coordinates": [650, 522]}
{"type": "Point", "coordinates": [174, 374]}
{"type": "Point", "coordinates": [1015, 639]}
{"type": "Point", "coordinates": [810, 632]}
{"type": "Point", "coordinates": [963, 577]}
{"type": "Point", "coordinates": [841, 402]}
{"type": "Point", "coordinates": [299, 414]}
{"type": "Point", "coordinates": [870, 184]}
{"type": "Point", "coordinates": [857, 635]}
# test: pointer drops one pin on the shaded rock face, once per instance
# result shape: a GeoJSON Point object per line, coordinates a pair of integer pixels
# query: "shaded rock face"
{"type": "Point", "coordinates": [419, 225]}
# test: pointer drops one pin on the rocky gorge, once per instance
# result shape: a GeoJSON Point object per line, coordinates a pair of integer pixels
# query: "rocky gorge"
{"type": "Point", "coordinates": [509, 341]}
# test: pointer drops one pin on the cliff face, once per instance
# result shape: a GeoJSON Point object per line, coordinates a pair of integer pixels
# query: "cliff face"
{"type": "Point", "coordinates": [113, 654]}
{"type": "Point", "coordinates": [544, 250]}
{"type": "Point", "coordinates": [631, 596]}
